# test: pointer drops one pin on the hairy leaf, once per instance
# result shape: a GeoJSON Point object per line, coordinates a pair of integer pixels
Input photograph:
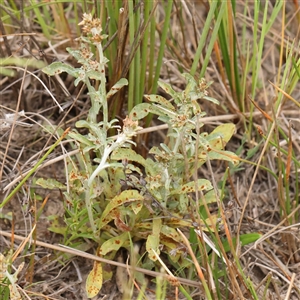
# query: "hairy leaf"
{"type": "Point", "coordinates": [129, 154]}
{"type": "Point", "coordinates": [168, 89]}
{"type": "Point", "coordinates": [50, 184]}
{"type": "Point", "coordinates": [59, 67]}
{"type": "Point", "coordinates": [122, 82]}
{"type": "Point", "coordinates": [190, 187]}
{"type": "Point", "coordinates": [160, 100]}
{"type": "Point", "coordinates": [140, 111]}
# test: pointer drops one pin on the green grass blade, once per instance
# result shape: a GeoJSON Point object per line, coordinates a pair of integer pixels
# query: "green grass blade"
{"type": "Point", "coordinates": [41, 20]}
{"type": "Point", "coordinates": [203, 37]}
{"type": "Point", "coordinates": [213, 38]}
{"type": "Point", "coordinates": [163, 39]}
{"type": "Point", "coordinates": [132, 69]}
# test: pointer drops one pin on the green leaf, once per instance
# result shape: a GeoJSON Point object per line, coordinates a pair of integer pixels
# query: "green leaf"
{"type": "Point", "coordinates": [56, 226]}
{"type": "Point", "coordinates": [50, 184]}
{"type": "Point", "coordinates": [210, 196]}
{"type": "Point", "coordinates": [7, 72]}
{"type": "Point", "coordinates": [183, 203]}
{"type": "Point", "coordinates": [80, 138]}
{"type": "Point", "coordinates": [92, 74]}
{"type": "Point", "coordinates": [211, 99]}
{"type": "Point", "coordinates": [8, 216]}
{"type": "Point", "coordinates": [251, 152]}
{"type": "Point", "coordinates": [245, 239]}
{"type": "Point", "coordinates": [140, 111]}
{"type": "Point", "coordinates": [122, 82]}
{"type": "Point", "coordinates": [59, 67]}
{"type": "Point", "coordinates": [168, 89]}
{"type": "Point", "coordinates": [22, 62]}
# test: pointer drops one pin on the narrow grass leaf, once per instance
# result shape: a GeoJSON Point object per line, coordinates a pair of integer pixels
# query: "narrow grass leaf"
{"type": "Point", "coordinates": [159, 59]}
{"type": "Point", "coordinates": [34, 168]}
{"type": "Point", "coordinates": [203, 38]}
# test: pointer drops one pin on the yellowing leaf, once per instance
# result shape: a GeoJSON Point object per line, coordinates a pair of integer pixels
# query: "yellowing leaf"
{"type": "Point", "coordinates": [153, 240]}
{"type": "Point", "coordinates": [130, 154]}
{"type": "Point", "coordinates": [94, 280]}
{"type": "Point", "coordinates": [219, 137]}
{"type": "Point", "coordinates": [224, 155]}
{"type": "Point", "coordinates": [3, 266]}
{"type": "Point", "coordinates": [152, 244]}
{"type": "Point", "coordinates": [110, 210]}
{"type": "Point", "coordinates": [160, 100]}
{"type": "Point", "coordinates": [14, 294]}
{"type": "Point", "coordinates": [113, 244]}
{"type": "Point", "coordinates": [170, 233]}
{"type": "Point", "coordinates": [210, 197]}
{"type": "Point", "coordinates": [50, 184]}
{"type": "Point", "coordinates": [190, 187]}
{"type": "Point", "coordinates": [179, 222]}
{"type": "Point", "coordinates": [137, 206]}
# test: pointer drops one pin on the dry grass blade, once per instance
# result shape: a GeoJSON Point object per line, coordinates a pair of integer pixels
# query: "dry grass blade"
{"type": "Point", "coordinates": [198, 267]}
{"type": "Point", "coordinates": [291, 285]}
{"type": "Point", "coordinates": [65, 249]}
{"type": "Point", "coordinates": [12, 128]}
{"type": "Point", "coordinates": [23, 244]}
